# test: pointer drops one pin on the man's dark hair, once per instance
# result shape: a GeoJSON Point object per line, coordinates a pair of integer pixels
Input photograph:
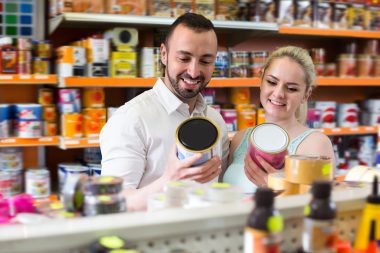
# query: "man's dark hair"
{"type": "Point", "coordinates": [194, 21]}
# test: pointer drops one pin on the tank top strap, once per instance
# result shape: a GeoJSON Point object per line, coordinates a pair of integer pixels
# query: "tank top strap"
{"type": "Point", "coordinates": [242, 148]}
{"type": "Point", "coordinates": [293, 145]}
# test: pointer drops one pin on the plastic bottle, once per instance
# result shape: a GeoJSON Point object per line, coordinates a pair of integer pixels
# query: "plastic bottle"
{"type": "Point", "coordinates": [371, 215]}
{"type": "Point", "coordinates": [319, 229]}
{"type": "Point", "coordinates": [265, 224]}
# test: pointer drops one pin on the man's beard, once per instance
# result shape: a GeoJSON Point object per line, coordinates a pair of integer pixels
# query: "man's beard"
{"type": "Point", "coordinates": [185, 93]}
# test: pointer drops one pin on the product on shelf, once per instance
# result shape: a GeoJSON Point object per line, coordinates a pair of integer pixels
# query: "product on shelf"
{"type": "Point", "coordinates": [320, 233]}
{"type": "Point", "coordinates": [37, 182]}
{"type": "Point", "coordinates": [150, 62]}
{"type": "Point", "coordinates": [265, 224]}
{"type": "Point", "coordinates": [230, 117]}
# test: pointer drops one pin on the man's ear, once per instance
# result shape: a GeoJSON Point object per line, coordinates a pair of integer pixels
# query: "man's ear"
{"type": "Point", "coordinates": [164, 54]}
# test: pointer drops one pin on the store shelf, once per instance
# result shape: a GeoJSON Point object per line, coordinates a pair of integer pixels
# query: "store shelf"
{"type": "Point", "coordinates": [28, 79]}
{"type": "Point", "coordinates": [65, 143]}
{"type": "Point", "coordinates": [149, 82]}
{"type": "Point", "coordinates": [71, 18]}
{"type": "Point", "coordinates": [107, 82]}
{"type": "Point", "coordinates": [214, 83]}
{"type": "Point", "coordinates": [350, 130]}
{"type": "Point", "coordinates": [348, 81]}
{"type": "Point", "coordinates": [27, 142]}
{"type": "Point", "coordinates": [329, 32]}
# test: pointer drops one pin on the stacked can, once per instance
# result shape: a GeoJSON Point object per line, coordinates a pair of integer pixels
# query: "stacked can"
{"type": "Point", "coordinates": [209, 95]}
{"type": "Point", "coordinates": [70, 108]}
{"type": "Point", "coordinates": [150, 62]}
{"type": "Point", "coordinates": [94, 113]}
{"type": "Point", "coordinates": [371, 113]}
{"type": "Point", "coordinates": [328, 113]}
{"type": "Point", "coordinates": [28, 123]}
{"type": "Point", "coordinates": [5, 120]}
{"type": "Point", "coordinates": [9, 56]}
{"type": "Point", "coordinates": [257, 61]}
{"type": "Point", "coordinates": [230, 117]}
{"type": "Point", "coordinates": [37, 182]}
{"type": "Point", "coordinates": [221, 64]}
{"type": "Point", "coordinates": [103, 195]}
{"type": "Point", "coordinates": [24, 46]}
{"type": "Point", "coordinates": [42, 51]}
{"type": "Point", "coordinates": [65, 170]}
{"type": "Point", "coordinates": [239, 64]}
{"type": "Point", "coordinates": [71, 61]}
{"type": "Point", "coordinates": [348, 115]}
{"type": "Point", "coordinates": [49, 111]}
{"type": "Point", "coordinates": [318, 56]}
{"type": "Point", "coordinates": [10, 171]}
{"type": "Point", "coordinates": [313, 118]}
{"type": "Point", "coordinates": [246, 116]}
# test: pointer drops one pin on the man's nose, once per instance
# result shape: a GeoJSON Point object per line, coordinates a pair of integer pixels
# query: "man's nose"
{"type": "Point", "coordinates": [194, 69]}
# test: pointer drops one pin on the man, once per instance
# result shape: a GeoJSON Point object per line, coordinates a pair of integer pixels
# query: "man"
{"type": "Point", "coordinates": [138, 142]}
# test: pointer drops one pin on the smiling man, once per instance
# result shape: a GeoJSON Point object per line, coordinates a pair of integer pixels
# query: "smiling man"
{"type": "Point", "coordinates": [138, 142]}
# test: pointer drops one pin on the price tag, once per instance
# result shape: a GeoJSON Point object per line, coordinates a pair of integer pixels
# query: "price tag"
{"type": "Point", "coordinates": [336, 130]}
{"type": "Point", "coordinates": [41, 77]}
{"type": "Point", "coordinates": [45, 139]}
{"type": "Point", "coordinates": [71, 142]}
{"type": "Point", "coordinates": [24, 77]}
{"type": "Point", "coordinates": [355, 129]}
{"type": "Point", "coordinates": [6, 77]}
{"type": "Point", "coordinates": [8, 140]}
{"type": "Point", "coordinates": [93, 141]}
{"type": "Point", "coordinates": [370, 129]}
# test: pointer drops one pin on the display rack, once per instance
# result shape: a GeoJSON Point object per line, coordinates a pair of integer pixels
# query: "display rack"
{"type": "Point", "coordinates": [28, 79]}
{"type": "Point", "coordinates": [214, 229]}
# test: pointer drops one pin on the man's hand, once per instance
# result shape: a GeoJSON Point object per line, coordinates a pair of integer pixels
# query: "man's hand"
{"type": "Point", "coordinates": [254, 173]}
{"type": "Point", "coordinates": [181, 169]}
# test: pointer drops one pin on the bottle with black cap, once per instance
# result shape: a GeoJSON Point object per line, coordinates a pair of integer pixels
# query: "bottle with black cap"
{"type": "Point", "coordinates": [265, 224]}
{"type": "Point", "coordinates": [319, 233]}
{"type": "Point", "coordinates": [371, 212]}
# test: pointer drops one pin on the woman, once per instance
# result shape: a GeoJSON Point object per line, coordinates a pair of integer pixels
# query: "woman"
{"type": "Point", "coordinates": [286, 85]}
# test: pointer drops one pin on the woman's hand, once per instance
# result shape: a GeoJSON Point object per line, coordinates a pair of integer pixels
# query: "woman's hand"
{"type": "Point", "coordinates": [254, 173]}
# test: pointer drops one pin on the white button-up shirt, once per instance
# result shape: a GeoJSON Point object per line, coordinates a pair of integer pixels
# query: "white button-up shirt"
{"type": "Point", "coordinates": [136, 141]}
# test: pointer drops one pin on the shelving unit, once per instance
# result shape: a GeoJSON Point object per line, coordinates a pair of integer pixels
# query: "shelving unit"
{"type": "Point", "coordinates": [218, 228]}
{"type": "Point", "coordinates": [328, 32]}
{"type": "Point", "coordinates": [29, 142]}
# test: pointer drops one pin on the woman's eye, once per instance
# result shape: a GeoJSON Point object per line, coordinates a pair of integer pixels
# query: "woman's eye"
{"type": "Point", "coordinates": [271, 82]}
{"type": "Point", "coordinates": [184, 59]}
{"type": "Point", "coordinates": [292, 89]}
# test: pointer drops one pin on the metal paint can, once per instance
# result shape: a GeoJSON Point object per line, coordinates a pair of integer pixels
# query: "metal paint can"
{"type": "Point", "coordinates": [10, 159]}
{"type": "Point", "coordinates": [37, 182]}
{"type": "Point", "coordinates": [5, 184]}
{"type": "Point", "coordinates": [65, 169]}
{"type": "Point", "coordinates": [197, 135]}
{"type": "Point", "coordinates": [95, 169]}
{"type": "Point", "coordinates": [269, 141]}
{"type": "Point", "coordinates": [230, 117]}
{"type": "Point", "coordinates": [29, 129]}
{"type": "Point", "coordinates": [150, 62]}
{"type": "Point", "coordinates": [28, 112]}
{"type": "Point", "coordinates": [222, 63]}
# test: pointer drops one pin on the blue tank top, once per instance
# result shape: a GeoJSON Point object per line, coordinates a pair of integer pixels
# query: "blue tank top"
{"type": "Point", "coordinates": [235, 174]}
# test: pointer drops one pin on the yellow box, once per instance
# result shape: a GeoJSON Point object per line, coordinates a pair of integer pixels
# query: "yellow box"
{"type": "Point", "coordinates": [72, 125]}
{"type": "Point", "coordinates": [124, 64]}
{"type": "Point", "coordinates": [93, 97]}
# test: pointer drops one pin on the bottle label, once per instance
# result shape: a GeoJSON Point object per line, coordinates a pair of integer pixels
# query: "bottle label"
{"type": "Point", "coordinates": [319, 236]}
{"type": "Point", "coordinates": [260, 241]}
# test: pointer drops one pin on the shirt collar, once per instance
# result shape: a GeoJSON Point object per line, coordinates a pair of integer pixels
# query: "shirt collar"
{"type": "Point", "coordinates": [171, 103]}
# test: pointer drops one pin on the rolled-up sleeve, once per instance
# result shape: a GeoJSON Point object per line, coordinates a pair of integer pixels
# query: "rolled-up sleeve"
{"type": "Point", "coordinates": [123, 150]}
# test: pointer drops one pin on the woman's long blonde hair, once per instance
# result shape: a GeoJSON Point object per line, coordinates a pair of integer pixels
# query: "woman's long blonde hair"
{"type": "Point", "coordinates": [302, 57]}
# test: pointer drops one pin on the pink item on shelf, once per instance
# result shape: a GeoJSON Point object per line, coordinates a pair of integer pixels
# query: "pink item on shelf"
{"type": "Point", "coordinates": [22, 203]}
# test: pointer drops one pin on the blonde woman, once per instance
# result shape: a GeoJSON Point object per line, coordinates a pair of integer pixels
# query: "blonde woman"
{"type": "Point", "coordinates": [286, 85]}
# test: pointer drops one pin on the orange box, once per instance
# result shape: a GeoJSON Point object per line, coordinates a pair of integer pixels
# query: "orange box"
{"type": "Point", "coordinates": [72, 125]}
{"type": "Point", "coordinates": [94, 120]}
{"type": "Point", "coordinates": [93, 97]}
{"type": "Point", "coordinates": [240, 96]}
{"type": "Point", "coordinates": [49, 113]}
